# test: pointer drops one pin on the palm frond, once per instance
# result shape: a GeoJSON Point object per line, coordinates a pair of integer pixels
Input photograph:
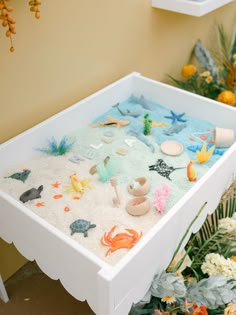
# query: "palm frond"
{"type": "Point", "coordinates": [204, 58]}
{"type": "Point", "coordinates": [224, 45]}
{"type": "Point", "coordinates": [232, 46]}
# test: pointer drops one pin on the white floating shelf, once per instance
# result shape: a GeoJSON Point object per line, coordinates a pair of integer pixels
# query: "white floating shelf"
{"type": "Point", "coordinates": [190, 7]}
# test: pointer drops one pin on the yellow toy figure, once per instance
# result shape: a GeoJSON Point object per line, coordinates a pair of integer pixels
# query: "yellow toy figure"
{"type": "Point", "coordinates": [204, 155]}
{"type": "Point", "coordinates": [191, 172]}
{"type": "Point", "coordinates": [79, 185]}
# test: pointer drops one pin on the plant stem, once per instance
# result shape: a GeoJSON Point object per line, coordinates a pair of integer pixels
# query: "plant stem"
{"type": "Point", "coordinates": [188, 229]}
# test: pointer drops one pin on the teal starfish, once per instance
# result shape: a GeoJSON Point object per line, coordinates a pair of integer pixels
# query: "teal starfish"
{"type": "Point", "coordinates": [176, 117]}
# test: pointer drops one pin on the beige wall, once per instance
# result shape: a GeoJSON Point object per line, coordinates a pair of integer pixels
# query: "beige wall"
{"type": "Point", "coordinates": [78, 47]}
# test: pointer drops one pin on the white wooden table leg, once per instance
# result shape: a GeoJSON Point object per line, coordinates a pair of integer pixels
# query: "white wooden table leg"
{"type": "Point", "coordinates": [3, 292]}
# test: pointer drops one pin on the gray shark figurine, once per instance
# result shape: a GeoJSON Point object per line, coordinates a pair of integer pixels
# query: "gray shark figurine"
{"type": "Point", "coordinates": [128, 113]}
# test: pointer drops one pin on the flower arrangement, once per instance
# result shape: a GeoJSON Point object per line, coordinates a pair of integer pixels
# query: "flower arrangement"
{"type": "Point", "coordinates": [9, 22]}
{"type": "Point", "coordinates": [213, 78]}
{"type": "Point", "coordinates": [201, 279]}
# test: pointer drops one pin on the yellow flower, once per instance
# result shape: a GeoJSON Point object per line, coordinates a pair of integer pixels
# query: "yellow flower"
{"type": "Point", "coordinates": [168, 299]}
{"type": "Point", "coordinates": [227, 97]}
{"type": "Point", "coordinates": [205, 74]}
{"type": "Point", "coordinates": [209, 79]}
{"type": "Point", "coordinates": [234, 56]}
{"type": "Point", "coordinates": [230, 309]}
{"type": "Point", "coordinates": [188, 71]}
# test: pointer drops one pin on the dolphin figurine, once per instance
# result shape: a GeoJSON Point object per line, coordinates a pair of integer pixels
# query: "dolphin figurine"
{"type": "Point", "coordinates": [128, 113]}
{"type": "Point", "coordinates": [176, 128]}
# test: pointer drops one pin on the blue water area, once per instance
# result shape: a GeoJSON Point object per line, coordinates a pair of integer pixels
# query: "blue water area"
{"type": "Point", "coordinates": [192, 131]}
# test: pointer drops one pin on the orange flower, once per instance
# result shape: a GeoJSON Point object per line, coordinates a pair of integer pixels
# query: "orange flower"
{"type": "Point", "coordinates": [199, 310]}
{"type": "Point", "coordinates": [188, 71]}
{"type": "Point", "coordinates": [233, 258]}
{"type": "Point", "coordinates": [227, 97]}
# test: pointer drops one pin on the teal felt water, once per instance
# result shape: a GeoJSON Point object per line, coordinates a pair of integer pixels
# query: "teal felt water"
{"type": "Point", "coordinates": [194, 132]}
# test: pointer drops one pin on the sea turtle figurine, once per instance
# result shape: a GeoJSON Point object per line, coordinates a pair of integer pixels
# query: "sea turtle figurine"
{"type": "Point", "coordinates": [81, 226]}
{"type": "Point", "coordinates": [31, 194]}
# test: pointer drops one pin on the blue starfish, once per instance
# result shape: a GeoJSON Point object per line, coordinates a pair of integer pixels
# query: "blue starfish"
{"type": "Point", "coordinates": [176, 117]}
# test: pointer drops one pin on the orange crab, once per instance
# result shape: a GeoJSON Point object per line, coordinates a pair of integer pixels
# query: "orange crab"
{"type": "Point", "coordinates": [120, 240]}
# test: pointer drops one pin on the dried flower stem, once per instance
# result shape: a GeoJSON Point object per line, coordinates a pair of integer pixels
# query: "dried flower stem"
{"type": "Point", "coordinates": [8, 21]}
{"type": "Point", "coordinates": [34, 7]}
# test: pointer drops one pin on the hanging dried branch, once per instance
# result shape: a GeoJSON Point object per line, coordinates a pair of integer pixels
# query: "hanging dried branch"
{"type": "Point", "coordinates": [34, 7]}
{"type": "Point", "coordinates": [9, 22]}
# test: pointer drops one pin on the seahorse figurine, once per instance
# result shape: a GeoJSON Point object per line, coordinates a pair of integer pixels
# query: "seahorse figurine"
{"type": "Point", "coordinates": [191, 172]}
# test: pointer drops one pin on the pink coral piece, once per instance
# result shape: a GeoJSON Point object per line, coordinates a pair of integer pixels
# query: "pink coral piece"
{"type": "Point", "coordinates": [160, 198]}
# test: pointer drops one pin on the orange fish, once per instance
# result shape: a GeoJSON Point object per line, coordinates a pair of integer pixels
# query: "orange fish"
{"type": "Point", "coordinates": [191, 172]}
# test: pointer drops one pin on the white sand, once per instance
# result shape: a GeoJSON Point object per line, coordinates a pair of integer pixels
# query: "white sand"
{"type": "Point", "coordinates": [96, 203]}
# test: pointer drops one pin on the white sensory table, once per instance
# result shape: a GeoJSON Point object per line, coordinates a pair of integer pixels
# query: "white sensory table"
{"type": "Point", "coordinates": [111, 290]}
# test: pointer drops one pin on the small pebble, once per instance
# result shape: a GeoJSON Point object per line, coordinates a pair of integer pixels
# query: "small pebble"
{"type": "Point", "coordinates": [122, 151]}
{"type": "Point", "coordinates": [108, 133]}
{"type": "Point", "coordinates": [107, 140]}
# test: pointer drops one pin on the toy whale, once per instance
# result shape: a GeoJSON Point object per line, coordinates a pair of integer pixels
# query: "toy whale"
{"type": "Point", "coordinates": [128, 113]}
{"type": "Point", "coordinates": [141, 101]}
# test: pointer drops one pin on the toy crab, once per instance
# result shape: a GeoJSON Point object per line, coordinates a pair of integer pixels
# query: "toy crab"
{"type": "Point", "coordinates": [120, 240]}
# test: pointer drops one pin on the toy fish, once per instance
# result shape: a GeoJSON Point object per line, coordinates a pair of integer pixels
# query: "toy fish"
{"type": "Point", "coordinates": [159, 124]}
{"type": "Point", "coordinates": [141, 101]}
{"type": "Point", "coordinates": [31, 194]}
{"type": "Point", "coordinates": [191, 172]}
{"type": "Point", "coordinates": [111, 122]}
{"type": "Point", "coordinates": [163, 169]}
{"type": "Point", "coordinates": [142, 138]}
{"type": "Point", "coordinates": [176, 128]}
{"type": "Point", "coordinates": [20, 175]}
{"type": "Point", "coordinates": [128, 113]}
{"type": "Point", "coordinates": [198, 147]}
